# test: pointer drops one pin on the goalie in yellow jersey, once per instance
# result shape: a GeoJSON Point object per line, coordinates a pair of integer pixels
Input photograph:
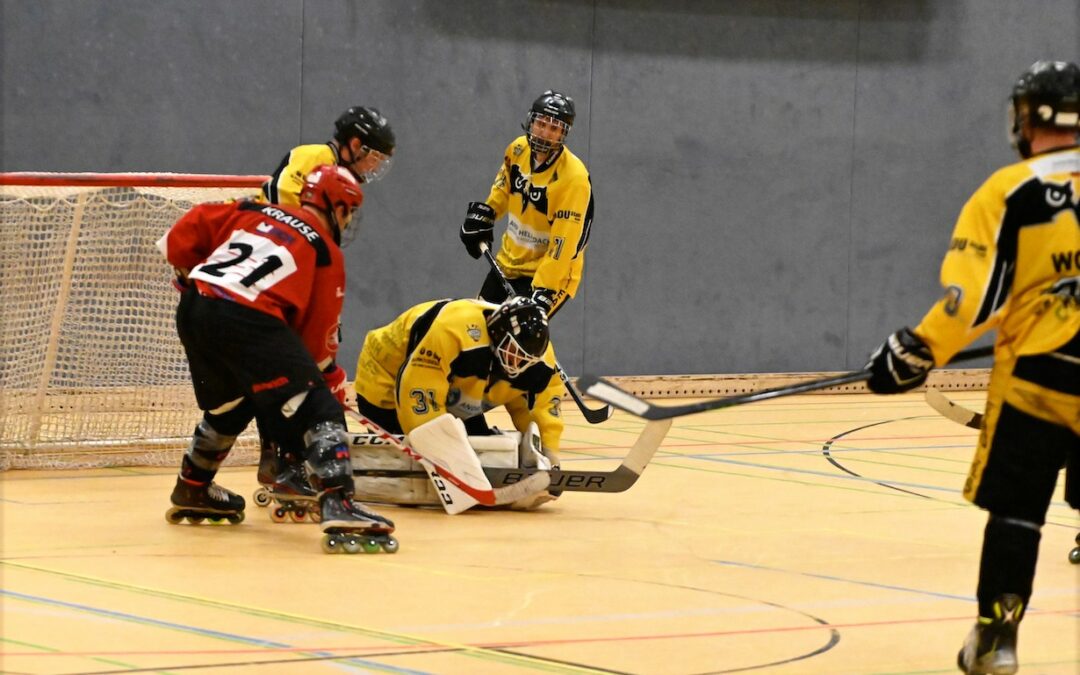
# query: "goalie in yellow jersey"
{"type": "Point", "coordinates": [1013, 265]}
{"type": "Point", "coordinates": [464, 357]}
{"type": "Point", "coordinates": [546, 193]}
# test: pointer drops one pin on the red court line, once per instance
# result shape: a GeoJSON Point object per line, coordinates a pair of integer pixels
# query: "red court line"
{"type": "Point", "coordinates": [420, 649]}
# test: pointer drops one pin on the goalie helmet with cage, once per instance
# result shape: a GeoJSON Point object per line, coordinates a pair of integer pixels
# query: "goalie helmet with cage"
{"type": "Point", "coordinates": [376, 138]}
{"type": "Point", "coordinates": [550, 119]}
{"type": "Point", "coordinates": [329, 187]}
{"type": "Point", "coordinates": [1046, 95]}
{"type": "Point", "coordinates": [519, 335]}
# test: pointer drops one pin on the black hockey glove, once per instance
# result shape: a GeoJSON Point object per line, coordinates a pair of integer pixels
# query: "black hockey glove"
{"type": "Point", "coordinates": [478, 228]}
{"type": "Point", "coordinates": [899, 364]}
{"type": "Point", "coordinates": [545, 297]}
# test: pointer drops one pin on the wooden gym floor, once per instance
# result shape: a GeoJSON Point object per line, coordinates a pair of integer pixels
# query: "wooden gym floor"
{"type": "Point", "coordinates": [813, 534]}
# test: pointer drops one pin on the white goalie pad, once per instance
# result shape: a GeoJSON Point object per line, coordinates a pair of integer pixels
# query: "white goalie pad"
{"type": "Point", "coordinates": [383, 474]}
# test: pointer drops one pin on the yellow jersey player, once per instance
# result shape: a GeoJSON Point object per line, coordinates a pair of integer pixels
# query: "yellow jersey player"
{"type": "Point", "coordinates": [363, 143]}
{"type": "Point", "coordinates": [546, 194]}
{"type": "Point", "coordinates": [462, 357]}
{"type": "Point", "coordinates": [1014, 266]}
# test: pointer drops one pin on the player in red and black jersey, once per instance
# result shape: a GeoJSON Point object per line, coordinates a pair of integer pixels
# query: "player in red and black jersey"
{"type": "Point", "coordinates": [258, 318]}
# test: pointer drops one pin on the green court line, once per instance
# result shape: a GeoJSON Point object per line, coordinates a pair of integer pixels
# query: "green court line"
{"type": "Point", "coordinates": [486, 654]}
{"type": "Point", "coordinates": [51, 650]}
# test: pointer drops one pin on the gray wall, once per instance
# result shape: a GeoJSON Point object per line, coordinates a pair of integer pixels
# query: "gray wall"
{"type": "Point", "coordinates": [776, 180]}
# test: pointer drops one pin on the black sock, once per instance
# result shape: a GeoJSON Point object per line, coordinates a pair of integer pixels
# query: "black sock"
{"type": "Point", "coordinates": [1010, 550]}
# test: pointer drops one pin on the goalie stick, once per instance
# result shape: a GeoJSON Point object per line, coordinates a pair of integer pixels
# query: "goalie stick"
{"type": "Point", "coordinates": [486, 496]}
{"type": "Point", "coordinates": [952, 410]}
{"type": "Point", "coordinates": [591, 416]}
{"type": "Point", "coordinates": [609, 393]}
{"type": "Point", "coordinates": [618, 480]}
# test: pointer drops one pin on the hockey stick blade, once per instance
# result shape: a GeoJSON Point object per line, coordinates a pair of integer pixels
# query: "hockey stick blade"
{"type": "Point", "coordinates": [619, 480]}
{"type": "Point", "coordinates": [487, 497]}
{"type": "Point", "coordinates": [609, 393]}
{"type": "Point", "coordinates": [592, 416]}
{"type": "Point", "coordinates": [953, 411]}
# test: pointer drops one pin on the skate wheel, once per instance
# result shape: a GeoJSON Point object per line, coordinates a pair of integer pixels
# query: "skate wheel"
{"type": "Point", "coordinates": [215, 519]}
{"type": "Point", "coordinates": [1074, 556]}
{"type": "Point", "coordinates": [279, 515]}
{"type": "Point", "coordinates": [390, 545]}
{"type": "Point", "coordinates": [173, 517]}
{"type": "Point", "coordinates": [331, 544]}
{"type": "Point", "coordinates": [353, 545]}
{"type": "Point", "coordinates": [298, 515]}
{"type": "Point", "coordinates": [371, 546]}
{"type": "Point", "coordinates": [314, 515]}
{"type": "Point", "coordinates": [235, 518]}
{"type": "Point", "coordinates": [195, 520]}
{"type": "Point", "coordinates": [262, 497]}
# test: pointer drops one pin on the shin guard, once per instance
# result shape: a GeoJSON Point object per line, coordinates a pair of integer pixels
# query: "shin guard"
{"type": "Point", "coordinates": [207, 451]}
{"type": "Point", "coordinates": [327, 457]}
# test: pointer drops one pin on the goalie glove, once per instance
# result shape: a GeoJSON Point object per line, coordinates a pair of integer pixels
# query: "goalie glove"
{"type": "Point", "coordinates": [478, 228]}
{"type": "Point", "coordinates": [335, 382]}
{"type": "Point", "coordinates": [545, 297]}
{"type": "Point", "coordinates": [901, 363]}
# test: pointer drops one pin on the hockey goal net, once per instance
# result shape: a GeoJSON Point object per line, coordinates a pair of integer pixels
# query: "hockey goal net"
{"type": "Point", "coordinates": [92, 372]}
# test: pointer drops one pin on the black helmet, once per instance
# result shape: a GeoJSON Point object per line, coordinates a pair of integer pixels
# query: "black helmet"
{"type": "Point", "coordinates": [519, 334]}
{"type": "Point", "coordinates": [368, 125]}
{"type": "Point", "coordinates": [1046, 95]}
{"type": "Point", "coordinates": [557, 106]}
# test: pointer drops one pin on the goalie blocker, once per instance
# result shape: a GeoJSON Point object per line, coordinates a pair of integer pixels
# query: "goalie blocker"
{"type": "Point", "coordinates": [383, 474]}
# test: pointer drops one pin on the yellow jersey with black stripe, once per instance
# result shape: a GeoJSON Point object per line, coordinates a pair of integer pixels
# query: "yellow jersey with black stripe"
{"type": "Point", "coordinates": [549, 214]}
{"type": "Point", "coordinates": [1013, 263]}
{"type": "Point", "coordinates": [284, 186]}
{"type": "Point", "coordinates": [436, 358]}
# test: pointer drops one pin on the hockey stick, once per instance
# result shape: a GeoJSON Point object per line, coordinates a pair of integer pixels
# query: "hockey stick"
{"type": "Point", "coordinates": [486, 496]}
{"type": "Point", "coordinates": [591, 416]}
{"type": "Point", "coordinates": [953, 411]}
{"type": "Point", "coordinates": [618, 480]}
{"type": "Point", "coordinates": [624, 400]}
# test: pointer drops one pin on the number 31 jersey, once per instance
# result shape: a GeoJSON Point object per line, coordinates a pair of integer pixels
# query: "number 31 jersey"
{"type": "Point", "coordinates": [275, 259]}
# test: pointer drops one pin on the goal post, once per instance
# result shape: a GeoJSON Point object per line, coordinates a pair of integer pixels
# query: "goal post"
{"type": "Point", "coordinates": [92, 372]}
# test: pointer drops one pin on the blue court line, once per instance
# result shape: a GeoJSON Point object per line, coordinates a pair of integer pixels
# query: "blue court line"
{"type": "Point", "coordinates": [257, 642]}
{"type": "Point", "coordinates": [828, 577]}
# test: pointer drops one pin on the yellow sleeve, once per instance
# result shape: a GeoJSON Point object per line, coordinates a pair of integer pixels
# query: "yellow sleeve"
{"type": "Point", "coordinates": [499, 197]}
{"type": "Point", "coordinates": [284, 186]}
{"type": "Point", "coordinates": [565, 257]}
{"type": "Point", "coordinates": [545, 411]}
{"type": "Point", "coordinates": [973, 274]}
{"type": "Point", "coordinates": [424, 382]}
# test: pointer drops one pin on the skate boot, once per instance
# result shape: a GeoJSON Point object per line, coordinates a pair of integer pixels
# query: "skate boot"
{"type": "Point", "coordinates": [990, 648]}
{"type": "Point", "coordinates": [348, 526]}
{"type": "Point", "coordinates": [197, 501]}
{"type": "Point", "coordinates": [294, 498]}
{"type": "Point", "coordinates": [268, 470]}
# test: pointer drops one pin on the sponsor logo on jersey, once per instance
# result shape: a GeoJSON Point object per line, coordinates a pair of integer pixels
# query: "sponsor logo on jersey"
{"type": "Point", "coordinates": [1057, 195]}
{"type": "Point", "coordinates": [474, 332]}
{"type": "Point", "coordinates": [1065, 261]}
{"type": "Point", "coordinates": [963, 243]}
{"type": "Point", "coordinates": [564, 214]}
{"type": "Point", "coordinates": [425, 358]}
{"type": "Point", "coordinates": [531, 195]}
{"type": "Point", "coordinates": [1068, 290]}
{"type": "Point", "coordinates": [525, 236]}
{"type": "Point", "coordinates": [953, 296]}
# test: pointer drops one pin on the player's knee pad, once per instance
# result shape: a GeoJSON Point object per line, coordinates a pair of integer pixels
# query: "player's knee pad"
{"type": "Point", "coordinates": [209, 447]}
{"type": "Point", "coordinates": [311, 407]}
{"type": "Point", "coordinates": [327, 457]}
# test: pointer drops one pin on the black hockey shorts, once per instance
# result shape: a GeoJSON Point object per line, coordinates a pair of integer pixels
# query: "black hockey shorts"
{"type": "Point", "coordinates": [493, 290]}
{"type": "Point", "coordinates": [234, 351]}
{"type": "Point", "coordinates": [1031, 430]}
